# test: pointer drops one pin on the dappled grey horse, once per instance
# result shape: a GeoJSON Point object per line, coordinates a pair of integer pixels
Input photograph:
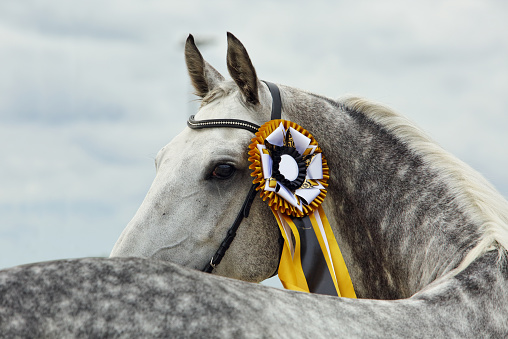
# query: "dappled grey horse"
{"type": "Point", "coordinates": [423, 235]}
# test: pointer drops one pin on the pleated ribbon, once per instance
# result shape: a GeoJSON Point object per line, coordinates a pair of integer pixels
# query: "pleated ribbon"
{"type": "Point", "coordinates": [311, 260]}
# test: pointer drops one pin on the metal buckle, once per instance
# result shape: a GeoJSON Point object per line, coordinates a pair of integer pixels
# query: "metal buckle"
{"type": "Point", "coordinates": [212, 264]}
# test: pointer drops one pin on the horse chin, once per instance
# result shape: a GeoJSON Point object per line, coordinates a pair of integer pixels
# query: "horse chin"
{"type": "Point", "coordinates": [250, 275]}
{"type": "Point", "coordinates": [168, 253]}
{"type": "Point", "coordinates": [249, 269]}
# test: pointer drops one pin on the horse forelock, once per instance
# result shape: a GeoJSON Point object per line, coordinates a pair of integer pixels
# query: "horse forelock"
{"type": "Point", "coordinates": [221, 91]}
{"type": "Point", "coordinates": [474, 194]}
{"type": "Point", "coordinates": [216, 94]}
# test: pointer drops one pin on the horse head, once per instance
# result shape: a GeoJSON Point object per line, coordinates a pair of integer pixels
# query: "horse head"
{"type": "Point", "coordinates": [202, 178]}
{"type": "Point", "coordinates": [404, 211]}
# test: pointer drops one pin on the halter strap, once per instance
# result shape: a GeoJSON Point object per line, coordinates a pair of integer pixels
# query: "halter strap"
{"type": "Point", "coordinates": [244, 211]}
{"type": "Point", "coordinates": [276, 101]}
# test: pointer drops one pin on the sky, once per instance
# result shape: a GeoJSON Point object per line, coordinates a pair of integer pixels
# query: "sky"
{"type": "Point", "coordinates": [91, 90]}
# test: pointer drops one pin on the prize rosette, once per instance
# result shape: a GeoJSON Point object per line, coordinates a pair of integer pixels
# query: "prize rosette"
{"type": "Point", "coordinates": [290, 168]}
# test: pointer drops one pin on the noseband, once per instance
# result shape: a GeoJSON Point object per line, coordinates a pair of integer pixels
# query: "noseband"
{"type": "Point", "coordinates": [249, 126]}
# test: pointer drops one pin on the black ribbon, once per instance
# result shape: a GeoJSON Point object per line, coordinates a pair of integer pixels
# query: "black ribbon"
{"type": "Point", "coordinates": [277, 154]}
{"type": "Point", "coordinates": [314, 265]}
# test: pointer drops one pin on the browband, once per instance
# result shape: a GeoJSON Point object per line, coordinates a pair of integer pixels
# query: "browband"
{"type": "Point", "coordinates": [237, 123]}
{"type": "Point", "coordinates": [231, 123]}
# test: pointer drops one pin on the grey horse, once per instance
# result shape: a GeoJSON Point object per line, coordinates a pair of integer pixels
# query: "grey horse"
{"type": "Point", "coordinates": [423, 235]}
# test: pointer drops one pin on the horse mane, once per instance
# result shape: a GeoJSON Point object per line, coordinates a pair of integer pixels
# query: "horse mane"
{"type": "Point", "coordinates": [474, 194]}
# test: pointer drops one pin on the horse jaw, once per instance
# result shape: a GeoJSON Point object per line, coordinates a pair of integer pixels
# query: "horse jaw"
{"type": "Point", "coordinates": [186, 214]}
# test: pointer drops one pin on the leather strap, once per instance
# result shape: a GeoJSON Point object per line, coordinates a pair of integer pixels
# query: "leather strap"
{"type": "Point", "coordinates": [244, 213]}
{"type": "Point", "coordinates": [276, 100]}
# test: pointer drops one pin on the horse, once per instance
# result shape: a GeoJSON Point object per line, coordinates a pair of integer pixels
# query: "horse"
{"type": "Point", "coordinates": [423, 235]}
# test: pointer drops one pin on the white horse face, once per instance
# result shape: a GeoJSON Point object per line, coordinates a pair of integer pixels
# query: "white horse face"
{"type": "Point", "coordinates": [201, 182]}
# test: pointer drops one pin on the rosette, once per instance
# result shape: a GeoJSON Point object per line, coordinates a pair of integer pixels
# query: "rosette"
{"type": "Point", "coordinates": [292, 174]}
{"type": "Point", "coordinates": [290, 168]}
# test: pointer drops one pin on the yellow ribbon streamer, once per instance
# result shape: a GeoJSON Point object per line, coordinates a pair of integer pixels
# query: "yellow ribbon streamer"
{"type": "Point", "coordinates": [290, 268]}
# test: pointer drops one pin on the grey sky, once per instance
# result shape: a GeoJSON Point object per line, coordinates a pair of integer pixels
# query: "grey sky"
{"type": "Point", "coordinates": [91, 90]}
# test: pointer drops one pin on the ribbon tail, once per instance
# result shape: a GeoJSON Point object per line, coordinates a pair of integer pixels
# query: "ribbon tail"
{"type": "Point", "coordinates": [313, 263]}
{"type": "Point", "coordinates": [290, 267]}
{"type": "Point", "coordinates": [333, 256]}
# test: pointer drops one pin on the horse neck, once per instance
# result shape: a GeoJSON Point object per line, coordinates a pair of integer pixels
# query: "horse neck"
{"type": "Point", "coordinates": [395, 217]}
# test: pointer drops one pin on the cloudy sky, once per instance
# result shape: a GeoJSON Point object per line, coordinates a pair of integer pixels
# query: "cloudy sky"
{"type": "Point", "coordinates": [91, 90]}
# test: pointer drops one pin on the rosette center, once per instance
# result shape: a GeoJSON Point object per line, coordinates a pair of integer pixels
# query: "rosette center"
{"type": "Point", "coordinates": [288, 167]}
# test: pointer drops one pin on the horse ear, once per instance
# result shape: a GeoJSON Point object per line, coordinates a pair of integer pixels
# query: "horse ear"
{"type": "Point", "coordinates": [241, 70]}
{"type": "Point", "coordinates": [203, 76]}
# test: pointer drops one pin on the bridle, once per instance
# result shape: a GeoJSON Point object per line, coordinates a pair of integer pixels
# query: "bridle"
{"type": "Point", "coordinates": [244, 211]}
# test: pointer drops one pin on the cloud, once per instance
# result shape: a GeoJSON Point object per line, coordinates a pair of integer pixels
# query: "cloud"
{"type": "Point", "coordinates": [90, 91]}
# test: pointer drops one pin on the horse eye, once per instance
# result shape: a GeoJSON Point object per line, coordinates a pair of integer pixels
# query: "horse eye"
{"type": "Point", "coordinates": [223, 171]}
